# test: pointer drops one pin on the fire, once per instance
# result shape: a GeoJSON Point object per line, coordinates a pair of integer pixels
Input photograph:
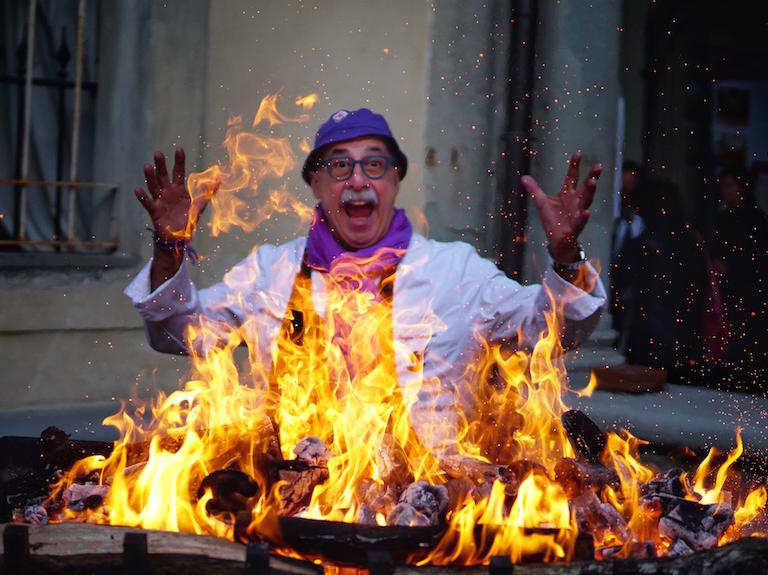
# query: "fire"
{"type": "Point", "coordinates": [525, 407]}
{"type": "Point", "coordinates": [254, 160]}
{"type": "Point", "coordinates": [329, 387]}
{"type": "Point", "coordinates": [713, 494]}
{"type": "Point", "coordinates": [590, 388]}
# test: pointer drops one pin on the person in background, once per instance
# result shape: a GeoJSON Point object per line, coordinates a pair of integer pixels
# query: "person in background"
{"type": "Point", "coordinates": [663, 326]}
{"type": "Point", "coordinates": [627, 228]}
{"type": "Point", "coordinates": [740, 253]}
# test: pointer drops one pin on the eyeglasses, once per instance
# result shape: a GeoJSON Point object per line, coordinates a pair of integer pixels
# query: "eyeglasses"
{"type": "Point", "coordinates": [342, 168]}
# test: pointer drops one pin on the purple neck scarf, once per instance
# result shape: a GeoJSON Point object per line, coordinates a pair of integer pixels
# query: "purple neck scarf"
{"type": "Point", "coordinates": [360, 268]}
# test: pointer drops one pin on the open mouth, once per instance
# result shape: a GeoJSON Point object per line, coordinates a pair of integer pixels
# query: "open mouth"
{"type": "Point", "coordinates": [358, 209]}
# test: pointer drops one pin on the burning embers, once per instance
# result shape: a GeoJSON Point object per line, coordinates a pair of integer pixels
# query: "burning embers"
{"type": "Point", "coordinates": [468, 518]}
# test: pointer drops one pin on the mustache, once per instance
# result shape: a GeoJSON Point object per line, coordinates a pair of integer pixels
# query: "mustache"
{"type": "Point", "coordinates": [365, 195]}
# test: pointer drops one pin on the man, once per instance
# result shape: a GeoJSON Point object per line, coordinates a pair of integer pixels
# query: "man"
{"type": "Point", "coordinates": [444, 299]}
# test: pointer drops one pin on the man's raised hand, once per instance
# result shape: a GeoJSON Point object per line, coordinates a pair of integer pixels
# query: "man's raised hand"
{"type": "Point", "coordinates": [564, 215]}
{"type": "Point", "coordinates": [174, 213]}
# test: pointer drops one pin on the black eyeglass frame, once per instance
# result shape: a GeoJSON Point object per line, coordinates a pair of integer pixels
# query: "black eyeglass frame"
{"type": "Point", "coordinates": [389, 161]}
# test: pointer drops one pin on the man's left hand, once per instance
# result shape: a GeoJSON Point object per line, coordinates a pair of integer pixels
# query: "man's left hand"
{"type": "Point", "coordinates": [564, 216]}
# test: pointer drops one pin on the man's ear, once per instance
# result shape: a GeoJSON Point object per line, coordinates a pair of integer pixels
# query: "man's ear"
{"type": "Point", "coordinates": [313, 183]}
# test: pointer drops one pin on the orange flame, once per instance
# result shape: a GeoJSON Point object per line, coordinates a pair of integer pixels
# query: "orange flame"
{"type": "Point", "coordinates": [254, 160]}
{"type": "Point", "coordinates": [590, 388]}
{"type": "Point", "coordinates": [307, 102]}
{"type": "Point", "coordinates": [713, 494]}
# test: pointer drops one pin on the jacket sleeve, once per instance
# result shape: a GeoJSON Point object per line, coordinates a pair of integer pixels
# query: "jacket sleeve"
{"type": "Point", "coordinates": [170, 310]}
{"type": "Point", "coordinates": [517, 314]}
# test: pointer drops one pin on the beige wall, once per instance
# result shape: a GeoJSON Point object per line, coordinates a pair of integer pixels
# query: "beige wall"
{"type": "Point", "coordinates": [70, 336]}
{"type": "Point", "coordinates": [352, 54]}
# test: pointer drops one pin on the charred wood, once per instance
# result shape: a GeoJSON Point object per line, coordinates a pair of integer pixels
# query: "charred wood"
{"type": "Point", "coordinates": [512, 475]}
{"type": "Point", "coordinates": [394, 468]}
{"type": "Point", "coordinates": [632, 550]}
{"type": "Point", "coordinates": [479, 472]}
{"type": "Point", "coordinates": [405, 515]}
{"type": "Point", "coordinates": [376, 499]}
{"type": "Point", "coordinates": [458, 491]}
{"type": "Point", "coordinates": [586, 438]}
{"type": "Point", "coordinates": [578, 476]}
{"type": "Point", "coordinates": [431, 501]}
{"type": "Point", "coordinates": [599, 519]}
{"type": "Point", "coordinates": [296, 491]}
{"type": "Point", "coordinates": [699, 526]}
{"type": "Point", "coordinates": [672, 482]}
{"type": "Point", "coordinates": [678, 548]}
{"type": "Point", "coordinates": [231, 491]}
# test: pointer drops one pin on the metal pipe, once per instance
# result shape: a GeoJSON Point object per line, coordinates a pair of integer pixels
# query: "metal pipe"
{"type": "Point", "coordinates": [513, 209]}
{"type": "Point", "coordinates": [62, 57]}
{"type": "Point", "coordinates": [73, 156]}
{"type": "Point", "coordinates": [27, 117]}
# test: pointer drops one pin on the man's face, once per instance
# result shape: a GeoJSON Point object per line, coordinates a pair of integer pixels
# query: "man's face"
{"type": "Point", "coordinates": [629, 179]}
{"type": "Point", "coordinates": [359, 209]}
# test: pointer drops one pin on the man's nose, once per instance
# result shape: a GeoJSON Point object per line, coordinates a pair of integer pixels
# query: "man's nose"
{"type": "Point", "coordinates": [358, 180]}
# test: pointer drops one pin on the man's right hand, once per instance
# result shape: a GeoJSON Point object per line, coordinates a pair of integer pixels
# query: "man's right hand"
{"type": "Point", "coordinates": [174, 213]}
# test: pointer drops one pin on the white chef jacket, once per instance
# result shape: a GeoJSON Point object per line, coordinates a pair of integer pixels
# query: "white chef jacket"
{"type": "Point", "coordinates": [445, 296]}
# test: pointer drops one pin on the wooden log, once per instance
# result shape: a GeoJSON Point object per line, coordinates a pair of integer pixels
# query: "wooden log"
{"type": "Point", "coordinates": [72, 547]}
{"type": "Point", "coordinates": [77, 548]}
{"type": "Point", "coordinates": [460, 467]}
{"type": "Point", "coordinates": [577, 476]}
{"type": "Point", "coordinates": [232, 491]}
{"type": "Point", "coordinates": [514, 474]}
{"type": "Point", "coordinates": [394, 468]}
{"type": "Point", "coordinates": [262, 438]}
{"type": "Point", "coordinates": [586, 438]}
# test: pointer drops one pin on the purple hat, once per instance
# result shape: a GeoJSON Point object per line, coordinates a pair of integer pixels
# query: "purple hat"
{"type": "Point", "coordinates": [347, 125]}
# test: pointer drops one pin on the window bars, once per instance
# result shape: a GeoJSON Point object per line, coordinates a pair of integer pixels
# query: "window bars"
{"type": "Point", "coordinates": [63, 235]}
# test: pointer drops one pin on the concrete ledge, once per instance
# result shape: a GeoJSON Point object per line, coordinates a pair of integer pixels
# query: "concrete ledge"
{"type": "Point", "coordinates": [81, 421]}
{"type": "Point", "coordinates": [696, 417]}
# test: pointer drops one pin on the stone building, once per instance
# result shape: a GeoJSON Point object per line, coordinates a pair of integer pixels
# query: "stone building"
{"type": "Point", "coordinates": [478, 93]}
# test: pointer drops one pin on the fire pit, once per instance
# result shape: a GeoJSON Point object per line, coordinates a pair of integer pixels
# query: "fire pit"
{"type": "Point", "coordinates": [29, 464]}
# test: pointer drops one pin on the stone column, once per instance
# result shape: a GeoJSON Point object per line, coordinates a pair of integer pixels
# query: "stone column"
{"type": "Point", "coordinates": [576, 90]}
{"type": "Point", "coordinates": [465, 116]}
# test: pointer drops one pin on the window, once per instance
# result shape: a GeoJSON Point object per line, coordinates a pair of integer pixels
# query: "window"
{"type": "Point", "coordinates": [48, 199]}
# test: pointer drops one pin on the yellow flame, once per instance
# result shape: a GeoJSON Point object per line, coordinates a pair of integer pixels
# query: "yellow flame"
{"type": "Point", "coordinates": [247, 191]}
{"type": "Point", "coordinates": [307, 102]}
{"type": "Point", "coordinates": [590, 388]}
{"type": "Point", "coordinates": [712, 495]}
{"type": "Point", "coordinates": [753, 505]}
{"type": "Point", "coordinates": [269, 113]}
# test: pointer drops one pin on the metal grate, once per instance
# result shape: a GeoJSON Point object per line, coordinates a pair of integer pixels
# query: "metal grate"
{"type": "Point", "coordinates": [51, 210]}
